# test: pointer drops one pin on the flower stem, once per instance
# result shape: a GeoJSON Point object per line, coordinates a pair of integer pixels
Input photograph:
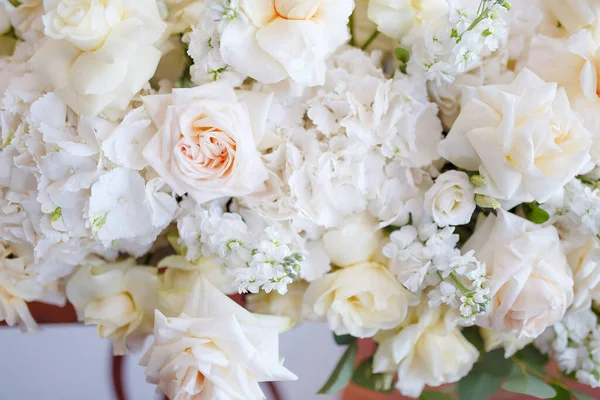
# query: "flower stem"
{"type": "Point", "coordinates": [370, 40]}
{"type": "Point", "coordinates": [351, 26]}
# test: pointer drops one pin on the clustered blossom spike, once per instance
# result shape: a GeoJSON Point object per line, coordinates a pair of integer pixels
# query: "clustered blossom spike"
{"type": "Point", "coordinates": [425, 258]}
{"type": "Point", "coordinates": [256, 258]}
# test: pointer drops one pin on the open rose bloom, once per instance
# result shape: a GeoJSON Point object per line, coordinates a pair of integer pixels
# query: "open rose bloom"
{"type": "Point", "coordinates": [422, 177]}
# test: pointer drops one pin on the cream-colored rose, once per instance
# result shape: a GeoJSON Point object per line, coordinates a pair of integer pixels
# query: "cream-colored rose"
{"type": "Point", "coordinates": [510, 342]}
{"type": "Point", "coordinates": [273, 303]}
{"type": "Point", "coordinates": [451, 200]}
{"type": "Point", "coordinates": [26, 18]}
{"type": "Point", "coordinates": [529, 278]}
{"type": "Point", "coordinates": [215, 349]}
{"type": "Point", "coordinates": [120, 298]}
{"type": "Point", "coordinates": [206, 144]}
{"type": "Point", "coordinates": [21, 282]}
{"type": "Point", "coordinates": [359, 300]}
{"type": "Point", "coordinates": [180, 275]}
{"type": "Point", "coordinates": [275, 39]}
{"type": "Point", "coordinates": [394, 18]}
{"type": "Point", "coordinates": [99, 54]}
{"type": "Point", "coordinates": [522, 137]}
{"type": "Point", "coordinates": [573, 63]}
{"type": "Point", "coordinates": [424, 351]}
{"type": "Point", "coordinates": [355, 241]}
{"type": "Point", "coordinates": [585, 263]}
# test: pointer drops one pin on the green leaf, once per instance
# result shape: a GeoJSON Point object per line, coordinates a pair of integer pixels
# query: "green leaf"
{"type": "Point", "coordinates": [343, 340]}
{"type": "Point", "coordinates": [342, 374]}
{"type": "Point", "coordinates": [529, 385]}
{"type": "Point", "coordinates": [472, 334]}
{"type": "Point", "coordinates": [494, 363]}
{"type": "Point", "coordinates": [532, 358]}
{"type": "Point", "coordinates": [561, 393]}
{"type": "Point", "coordinates": [582, 396]}
{"type": "Point", "coordinates": [432, 395]}
{"type": "Point", "coordinates": [364, 377]}
{"type": "Point", "coordinates": [534, 213]}
{"type": "Point", "coordinates": [402, 54]}
{"type": "Point", "coordinates": [478, 385]}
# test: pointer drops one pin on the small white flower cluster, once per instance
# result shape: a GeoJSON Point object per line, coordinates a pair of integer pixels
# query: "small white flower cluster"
{"type": "Point", "coordinates": [577, 209]}
{"type": "Point", "coordinates": [575, 343]}
{"type": "Point", "coordinates": [256, 254]}
{"type": "Point", "coordinates": [204, 44]}
{"type": "Point", "coordinates": [445, 48]}
{"type": "Point", "coordinates": [426, 258]}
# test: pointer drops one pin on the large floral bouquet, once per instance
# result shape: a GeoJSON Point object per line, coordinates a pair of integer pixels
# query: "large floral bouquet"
{"type": "Point", "coordinates": [424, 173]}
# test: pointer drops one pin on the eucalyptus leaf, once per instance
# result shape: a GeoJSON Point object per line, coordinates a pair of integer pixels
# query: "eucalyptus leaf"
{"type": "Point", "coordinates": [433, 395]}
{"type": "Point", "coordinates": [494, 363]}
{"type": "Point", "coordinates": [530, 385]}
{"type": "Point", "coordinates": [342, 374]}
{"type": "Point", "coordinates": [582, 396]}
{"type": "Point", "coordinates": [364, 377]}
{"type": "Point", "coordinates": [343, 340]}
{"type": "Point", "coordinates": [561, 393]}
{"type": "Point", "coordinates": [478, 385]}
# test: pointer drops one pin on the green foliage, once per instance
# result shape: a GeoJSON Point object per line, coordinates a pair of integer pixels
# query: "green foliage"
{"type": "Point", "coordinates": [494, 363]}
{"type": "Point", "coordinates": [530, 385]}
{"type": "Point", "coordinates": [342, 374]}
{"type": "Point", "coordinates": [478, 385]}
{"type": "Point", "coordinates": [433, 395]}
{"type": "Point", "coordinates": [561, 393]}
{"type": "Point", "coordinates": [581, 396]}
{"type": "Point", "coordinates": [343, 340]}
{"type": "Point", "coordinates": [364, 377]}
{"type": "Point", "coordinates": [403, 56]}
{"type": "Point", "coordinates": [534, 213]}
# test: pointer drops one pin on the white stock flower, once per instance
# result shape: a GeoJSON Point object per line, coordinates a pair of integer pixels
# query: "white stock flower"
{"type": "Point", "coordinates": [355, 241]}
{"type": "Point", "coordinates": [358, 300]}
{"type": "Point", "coordinates": [275, 39]}
{"type": "Point", "coordinates": [530, 281]}
{"type": "Point", "coordinates": [394, 18]}
{"type": "Point", "coordinates": [124, 207]}
{"type": "Point", "coordinates": [215, 349]}
{"type": "Point", "coordinates": [21, 282]}
{"type": "Point", "coordinates": [451, 199]}
{"type": "Point", "coordinates": [207, 141]}
{"type": "Point", "coordinates": [99, 54]}
{"type": "Point", "coordinates": [522, 137]}
{"type": "Point", "coordinates": [119, 297]}
{"type": "Point", "coordinates": [424, 351]}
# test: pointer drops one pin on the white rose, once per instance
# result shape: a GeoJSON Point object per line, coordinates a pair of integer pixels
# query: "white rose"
{"type": "Point", "coordinates": [424, 352]}
{"type": "Point", "coordinates": [273, 303]}
{"type": "Point", "coordinates": [99, 54]}
{"type": "Point", "coordinates": [510, 342]}
{"type": "Point", "coordinates": [573, 63]}
{"type": "Point", "coordinates": [585, 263]}
{"type": "Point", "coordinates": [215, 349]}
{"type": "Point", "coordinates": [20, 282]}
{"type": "Point", "coordinates": [394, 18]}
{"type": "Point", "coordinates": [206, 145]}
{"type": "Point", "coordinates": [120, 298]}
{"type": "Point", "coordinates": [522, 137]}
{"type": "Point", "coordinates": [359, 300]}
{"type": "Point", "coordinates": [355, 241]}
{"type": "Point", "coordinates": [179, 278]}
{"type": "Point", "coordinates": [529, 278]}
{"type": "Point", "coordinates": [275, 39]}
{"type": "Point", "coordinates": [451, 200]}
